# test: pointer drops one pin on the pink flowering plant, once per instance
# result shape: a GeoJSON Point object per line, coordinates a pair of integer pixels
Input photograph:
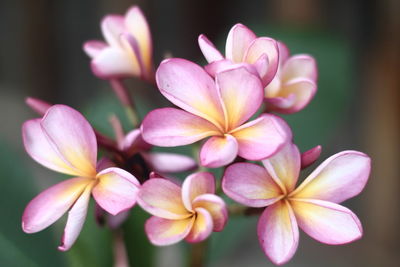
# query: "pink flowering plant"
{"type": "Point", "coordinates": [227, 110]}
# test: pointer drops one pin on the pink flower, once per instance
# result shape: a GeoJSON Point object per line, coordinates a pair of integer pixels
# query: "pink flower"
{"type": "Point", "coordinates": [65, 142]}
{"type": "Point", "coordinates": [294, 84]}
{"type": "Point", "coordinates": [217, 108]}
{"type": "Point", "coordinates": [191, 212]}
{"type": "Point", "coordinates": [312, 206]}
{"type": "Point", "coordinates": [128, 48]}
{"type": "Point", "coordinates": [259, 55]}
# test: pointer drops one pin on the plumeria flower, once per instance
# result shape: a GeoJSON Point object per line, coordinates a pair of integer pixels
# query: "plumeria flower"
{"type": "Point", "coordinates": [217, 108]}
{"type": "Point", "coordinates": [312, 206]}
{"type": "Point", "coordinates": [191, 212]}
{"type": "Point", "coordinates": [128, 49]}
{"type": "Point", "coordinates": [294, 85]}
{"type": "Point", "coordinates": [259, 55]}
{"type": "Point", "coordinates": [65, 142]}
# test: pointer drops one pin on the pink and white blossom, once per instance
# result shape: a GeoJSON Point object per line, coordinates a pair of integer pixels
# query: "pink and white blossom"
{"type": "Point", "coordinates": [259, 55]}
{"type": "Point", "coordinates": [128, 49]}
{"type": "Point", "coordinates": [218, 109]}
{"type": "Point", "coordinates": [65, 142]}
{"type": "Point", "coordinates": [191, 211]}
{"type": "Point", "coordinates": [294, 84]}
{"type": "Point", "coordinates": [312, 206]}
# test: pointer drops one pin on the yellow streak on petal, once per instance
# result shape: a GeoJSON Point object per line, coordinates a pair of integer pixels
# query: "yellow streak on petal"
{"type": "Point", "coordinates": [178, 227]}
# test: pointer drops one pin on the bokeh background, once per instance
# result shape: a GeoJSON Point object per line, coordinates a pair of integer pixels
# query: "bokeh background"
{"type": "Point", "coordinates": [357, 47]}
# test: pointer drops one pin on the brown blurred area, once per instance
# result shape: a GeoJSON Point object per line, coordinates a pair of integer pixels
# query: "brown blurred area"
{"type": "Point", "coordinates": [41, 56]}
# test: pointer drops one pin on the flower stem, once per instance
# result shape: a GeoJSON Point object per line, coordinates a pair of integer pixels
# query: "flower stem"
{"type": "Point", "coordinates": [198, 254]}
{"type": "Point", "coordinates": [126, 100]}
{"type": "Point", "coordinates": [119, 249]}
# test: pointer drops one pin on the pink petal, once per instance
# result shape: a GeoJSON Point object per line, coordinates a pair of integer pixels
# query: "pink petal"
{"type": "Point", "coordinates": [278, 232]}
{"type": "Point", "coordinates": [208, 49]}
{"type": "Point", "coordinates": [188, 86]}
{"type": "Point", "coordinates": [94, 47]}
{"type": "Point", "coordinates": [282, 104]}
{"type": "Point", "coordinates": [284, 166]}
{"type": "Point", "coordinates": [218, 151]}
{"type": "Point", "coordinates": [327, 222]}
{"type": "Point", "coordinates": [239, 39]}
{"type": "Point", "coordinates": [216, 207]}
{"type": "Point", "coordinates": [174, 127]}
{"type": "Point", "coordinates": [38, 105]}
{"type": "Point", "coordinates": [76, 219]}
{"type": "Point", "coordinates": [169, 162]}
{"type": "Point", "coordinates": [299, 66]}
{"type": "Point", "coordinates": [51, 204]}
{"type": "Point", "coordinates": [116, 190]}
{"type": "Point", "coordinates": [202, 226]}
{"type": "Point", "coordinates": [133, 143]}
{"type": "Point", "coordinates": [163, 232]}
{"type": "Point", "coordinates": [302, 90]}
{"type": "Point", "coordinates": [338, 178]}
{"type": "Point", "coordinates": [225, 64]}
{"type": "Point", "coordinates": [195, 185]}
{"type": "Point", "coordinates": [114, 63]}
{"type": "Point", "coordinates": [104, 163]}
{"type": "Point", "coordinates": [262, 137]}
{"type": "Point", "coordinates": [250, 185]}
{"type": "Point", "coordinates": [310, 156]}
{"type": "Point", "coordinates": [162, 198]}
{"type": "Point", "coordinates": [112, 26]}
{"type": "Point", "coordinates": [62, 141]}
{"type": "Point", "coordinates": [137, 25]}
{"type": "Point", "coordinates": [284, 52]}
{"type": "Point", "coordinates": [264, 46]}
{"type": "Point", "coordinates": [242, 95]}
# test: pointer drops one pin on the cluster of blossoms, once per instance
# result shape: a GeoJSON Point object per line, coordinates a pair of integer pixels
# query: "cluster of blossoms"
{"type": "Point", "coordinates": [257, 75]}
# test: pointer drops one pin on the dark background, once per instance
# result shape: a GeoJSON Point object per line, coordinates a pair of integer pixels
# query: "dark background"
{"type": "Point", "coordinates": [357, 47]}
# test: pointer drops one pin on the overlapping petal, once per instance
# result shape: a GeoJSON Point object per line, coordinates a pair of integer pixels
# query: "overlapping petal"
{"type": "Point", "coordinates": [218, 151]}
{"type": "Point", "coordinates": [327, 222]}
{"type": "Point", "coordinates": [195, 185]}
{"type": "Point", "coordinates": [208, 49]}
{"type": "Point", "coordinates": [163, 232]}
{"type": "Point", "coordinates": [239, 39]}
{"type": "Point", "coordinates": [188, 86]}
{"type": "Point", "coordinates": [215, 206]}
{"type": "Point", "coordinates": [278, 232]}
{"type": "Point", "coordinates": [299, 66]}
{"type": "Point", "coordinates": [162, 198]}
{"type": "Point", "coordinates": [116, 190]}
{"type": "Point", "coordinates": [338, 178]}
{"type": "Point", "coordinates": [174, 127]}
{"type": "Point", "coordinates": [202, 226]}
{"type": "Point", "coordinates": [250, 185]}
{"type": "Point", "coordinates": [94, 47]}
{"type": "Point", "coordinates": [51, 204]}
{"type": "Point", "coordinates": [242, 95]}
{"type": "Point", "coordinates": [112, 26]}
{"type": "Point", "coordinates": [76, 219]}
{"type": "Point", "coordinates": [262, 137]}
{"type": "Point", "coordinates": [284, 166]}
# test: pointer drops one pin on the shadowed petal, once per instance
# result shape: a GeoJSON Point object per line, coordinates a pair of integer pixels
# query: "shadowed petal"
{"type": "Point", "coordinates": [163, 232]}
{"type": "Point", "coordinates": [188, 86]}
{"type": "Point", "coordinates": [76, 219]}
{"type": "Point", "coordinates": [242, 95]}
{"type": "Point", "coordinates": [250, 185]}
{"type": "Point", "coordinates": [202, 226]}
{"type": "Point", "coordinates": [262, 137]}
{"type": "Point", "coordinates": [264, 46]}
{"type": "Point", "coordinates": [215, 206]}
{"type": "Point", "coordinates": [208, 49]}
{"type": "Point", "coordinates": [162, 198]}
{"type": "Point", "coordinates": [51, 204]}
{"type": "Point", "coordinates": [278, 232]}
{"type": "Point", "coordinates": [284, 166]}
{"type": "Point", "coordinates": [116, 190]}
{"type": "Point", "coordinates": [239, 38]}
{"type": "Point", "coordinates": [327, 222]}
{"type": "Point", "coordinates": [195, 185]}
{"type": "Point", "coordinates": [169, 162]}
{"type": "Point", "coordinates": [338, 178]}
{"type": "Point", "coordinates": [174, 127]}
{"type": "Point", "coordinates": [218, 151]}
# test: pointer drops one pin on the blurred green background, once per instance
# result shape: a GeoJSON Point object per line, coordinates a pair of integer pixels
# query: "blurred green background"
{"type": "Point", "coordinates": [357, 47]}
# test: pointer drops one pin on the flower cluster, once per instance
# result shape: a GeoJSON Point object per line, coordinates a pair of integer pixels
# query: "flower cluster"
{"type": "Point", "coordinates": [228, 102]}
